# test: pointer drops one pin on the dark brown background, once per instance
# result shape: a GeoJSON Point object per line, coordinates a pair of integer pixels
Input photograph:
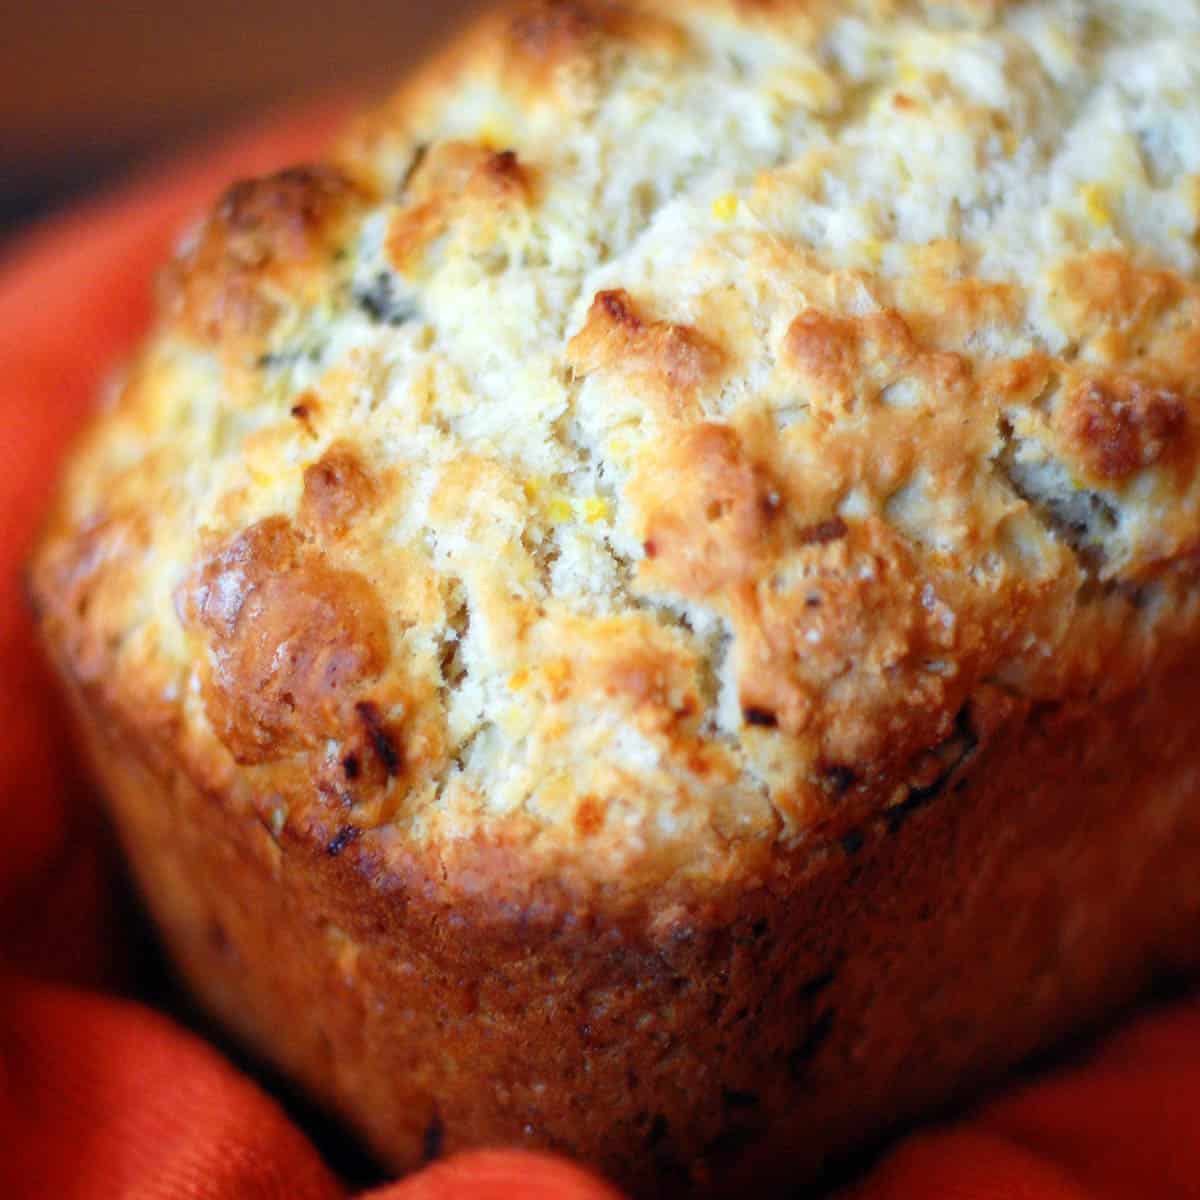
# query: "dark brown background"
{"type": "Point", "coordinates": [91, 88]}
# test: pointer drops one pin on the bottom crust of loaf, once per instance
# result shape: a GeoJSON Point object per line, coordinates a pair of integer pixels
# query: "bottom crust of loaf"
{"type": "Point", "coordinates": [750, 1033]}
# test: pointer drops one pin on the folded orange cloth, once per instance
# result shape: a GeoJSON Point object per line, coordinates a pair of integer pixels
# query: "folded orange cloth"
{"type": "Point", "coordinates": [100, 1097]}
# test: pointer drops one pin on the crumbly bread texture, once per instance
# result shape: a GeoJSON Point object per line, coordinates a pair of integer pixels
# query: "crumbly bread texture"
{"type": "Point", "coordinates": [647, 432]}
{"type": "Point", "coordinates": [664, 440]}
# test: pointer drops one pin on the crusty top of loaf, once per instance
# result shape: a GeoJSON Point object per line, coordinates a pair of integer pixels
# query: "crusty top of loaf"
{"type": "Point", "coordinates": [654, 428]}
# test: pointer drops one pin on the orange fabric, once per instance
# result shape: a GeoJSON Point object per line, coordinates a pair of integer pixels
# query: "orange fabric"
{"type": "Point", "coordinates": [100, 1097]}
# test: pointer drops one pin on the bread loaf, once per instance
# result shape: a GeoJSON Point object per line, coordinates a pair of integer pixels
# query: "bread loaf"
{"type": "Point", "coordinates": [647, 606]}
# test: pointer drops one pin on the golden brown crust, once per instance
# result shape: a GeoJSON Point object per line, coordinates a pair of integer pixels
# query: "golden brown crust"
{"type": "Point", "coordinates": [1124, 425]}
{"type": "Point", "coordinates": [675, 361]}
{"type": "Point", "coordinates": [837, 356]}
{"type": "Point", "coordinates": [337, 488]}
{"type": "Point", "coordinates": [293, 641]}
{"type": "Point", "coordinates": [714, 511]}
{"type": "Point", "coordinates": [457, 180]}
{"type": "Point", "coordinates": [263, 233]}
{"type": "Point", "coordinates": [1112, 303]}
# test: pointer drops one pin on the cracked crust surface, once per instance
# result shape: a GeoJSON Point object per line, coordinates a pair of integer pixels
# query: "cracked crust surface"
{"type": "Point", "coordinates": [656, 426]}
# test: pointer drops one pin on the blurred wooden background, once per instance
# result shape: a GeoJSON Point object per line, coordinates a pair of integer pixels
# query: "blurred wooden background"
{"type": "Point", "coordinates": [89, 88]}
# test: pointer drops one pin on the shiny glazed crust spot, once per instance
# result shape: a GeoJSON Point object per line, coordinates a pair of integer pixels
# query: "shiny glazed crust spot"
{"type": "Point", "coordinates": [293, 641]}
